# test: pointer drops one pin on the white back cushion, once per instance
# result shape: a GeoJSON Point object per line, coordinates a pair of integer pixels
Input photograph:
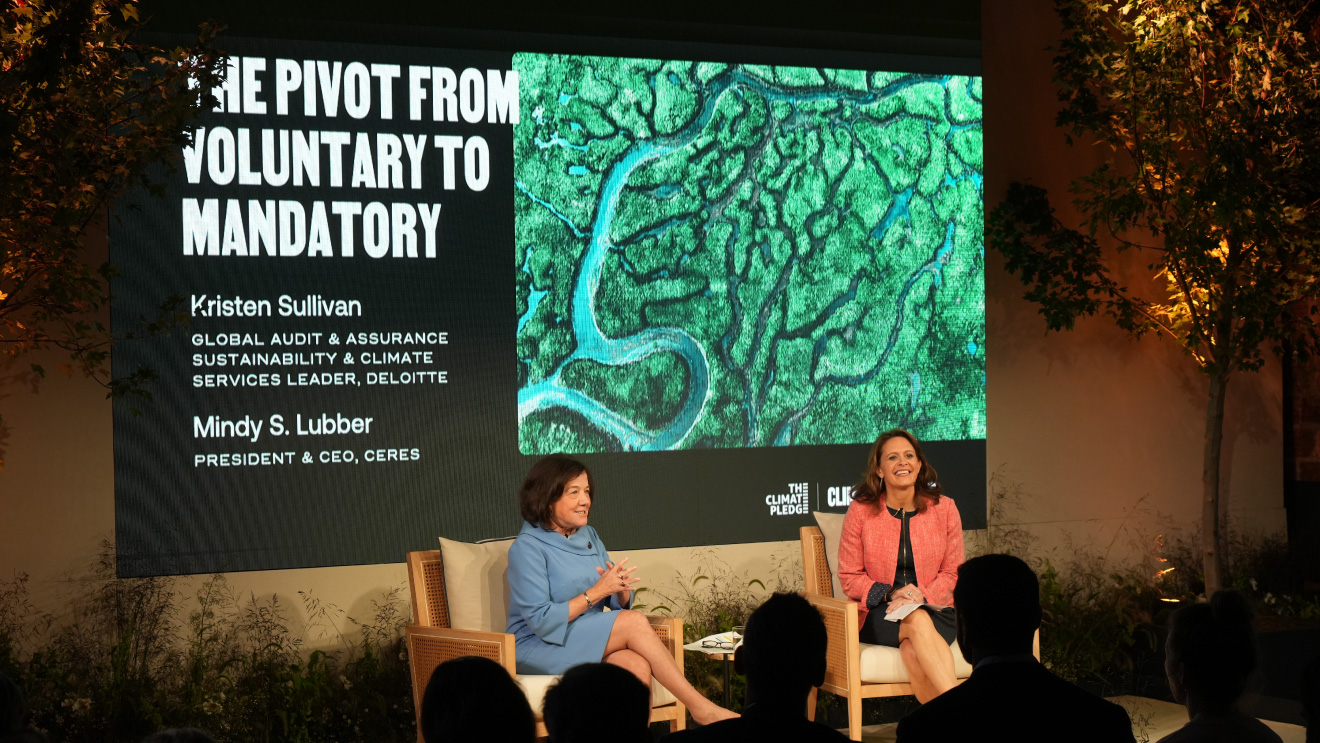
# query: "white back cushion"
{"type": "Point", "coordinates": [476, 585]}
{"type": "Point", "coordinates": [831, 526]}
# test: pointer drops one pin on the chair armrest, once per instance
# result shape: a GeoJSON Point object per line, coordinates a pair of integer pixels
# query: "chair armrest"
{"type": "Point", "coordinates": [843, 656]}
{"type": "Point", "coordinates": [428, 647]}
{"type": "Point", "coordinates": [670, 630]}
{"type": "Point", "coordinates": [432, 646]}
{"type": "Point", "coordinates": [815, 565]}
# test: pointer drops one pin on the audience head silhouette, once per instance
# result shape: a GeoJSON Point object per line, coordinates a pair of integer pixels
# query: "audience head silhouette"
{"type": "Point", "coordinates": [998, 600]}
{"type": "Point", "coordinates": [597, 701]}
{"type": "Point", "coordinates": [180, 735]}
{"type": "Point", "coordinates": [13, 707]}
{"type": "Point", "coordinates": [473, 698]}
{"type": "Point", "coordinates": [1211, 652]}
{"type": "Point", "coordinates": [1311, 699]}
{"type": "Point", "coordinates": [783, 650]}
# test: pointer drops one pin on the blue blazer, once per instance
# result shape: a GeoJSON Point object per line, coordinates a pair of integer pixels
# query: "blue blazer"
{"type": "Point", "coordinates": [546, 571]}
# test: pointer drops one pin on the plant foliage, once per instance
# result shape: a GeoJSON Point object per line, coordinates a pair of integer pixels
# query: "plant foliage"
{"type": "Point", "coordinates": [85, 112]}
{"type": "Point", "coordinates": [715, 598]}
{"type": "Point", "coordinates": [1210, 110]}
{"type": "Point", "coordinates": [123, 665]}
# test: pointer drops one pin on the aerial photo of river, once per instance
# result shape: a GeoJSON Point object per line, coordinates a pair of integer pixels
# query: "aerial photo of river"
{"type": "Point", "coordinates": [714, 255]}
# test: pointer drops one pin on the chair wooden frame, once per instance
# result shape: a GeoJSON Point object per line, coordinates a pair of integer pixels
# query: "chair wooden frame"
{"type": "Point", "coordinates": [431, 641]}
{"type": "Point", "coordinates": [843, 658]}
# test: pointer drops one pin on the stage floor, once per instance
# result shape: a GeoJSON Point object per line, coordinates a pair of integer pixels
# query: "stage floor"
{"type": "Point", "coordinates": [1155, 718]}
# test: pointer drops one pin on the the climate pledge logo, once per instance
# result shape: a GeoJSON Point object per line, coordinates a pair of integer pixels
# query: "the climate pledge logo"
{"type": "Point", "coordinates": [794, 502]}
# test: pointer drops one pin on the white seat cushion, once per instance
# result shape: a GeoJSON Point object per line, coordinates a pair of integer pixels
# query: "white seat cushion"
{"type": "Point", "coordinates": [535, 687]}
{"type": "Point", "coordinates": [882, 664]}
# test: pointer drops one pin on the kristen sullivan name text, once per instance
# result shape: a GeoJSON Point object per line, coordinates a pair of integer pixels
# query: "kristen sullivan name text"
{"type": "Point", "coordinates": [312, 305]}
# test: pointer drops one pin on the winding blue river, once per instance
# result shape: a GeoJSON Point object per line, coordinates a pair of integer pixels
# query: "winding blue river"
{"type": "Point", "coordinates": [593, 344]}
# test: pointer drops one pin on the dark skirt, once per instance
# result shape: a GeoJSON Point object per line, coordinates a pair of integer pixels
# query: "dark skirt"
{"type": "Point", "coordinates": [876, 631]}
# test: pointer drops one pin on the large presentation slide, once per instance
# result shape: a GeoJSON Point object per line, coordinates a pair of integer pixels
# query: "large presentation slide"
{"type": "Point", "coordinates": [408, 272]}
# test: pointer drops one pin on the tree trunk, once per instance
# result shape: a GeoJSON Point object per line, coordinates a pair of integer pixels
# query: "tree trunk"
{"type": "Point", "coordinates": [1213, 558]}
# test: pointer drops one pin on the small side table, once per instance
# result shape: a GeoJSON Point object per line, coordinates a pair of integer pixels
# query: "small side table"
{"type": "Point", "coordinates": [723, 645]}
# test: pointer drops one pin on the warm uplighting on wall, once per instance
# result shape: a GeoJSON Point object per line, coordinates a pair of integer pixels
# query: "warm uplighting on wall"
{"type": "Point", "coordinates": [1155, 579]}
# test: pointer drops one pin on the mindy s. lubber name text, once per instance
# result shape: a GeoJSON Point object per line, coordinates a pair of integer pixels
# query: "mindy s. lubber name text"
{"type": "Point", "coordinates": [247, 427]}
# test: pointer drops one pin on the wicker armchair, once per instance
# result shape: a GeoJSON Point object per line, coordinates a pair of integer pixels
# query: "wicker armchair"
{"type": "Point", "coordinates": [846, 674]}
{"type": "Point", "coordinates": [432, 641]}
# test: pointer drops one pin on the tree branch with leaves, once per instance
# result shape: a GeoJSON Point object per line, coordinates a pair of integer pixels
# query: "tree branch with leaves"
{"type": "Point", "coordinates": [1210, 110]}
{"type": "Point", "coordinates": [86, 111]}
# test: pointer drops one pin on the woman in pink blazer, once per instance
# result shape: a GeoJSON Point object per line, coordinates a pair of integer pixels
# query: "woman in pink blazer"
{"type": "Point", "coordinates": [902, 544]}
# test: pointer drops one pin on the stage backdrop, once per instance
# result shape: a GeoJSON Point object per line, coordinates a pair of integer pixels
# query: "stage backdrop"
{"type": "Point", "coordinates": [409, 272]}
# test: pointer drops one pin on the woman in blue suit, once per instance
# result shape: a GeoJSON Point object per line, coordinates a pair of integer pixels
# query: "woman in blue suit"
{"type": "Point", "coordinates": [561, 577]}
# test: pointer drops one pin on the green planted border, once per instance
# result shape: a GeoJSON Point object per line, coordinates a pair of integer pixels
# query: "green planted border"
{"type": "Point", "coordinates": [119, 666]}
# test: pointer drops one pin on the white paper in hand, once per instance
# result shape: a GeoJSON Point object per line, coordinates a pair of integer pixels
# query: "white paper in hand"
{"type": "Point", "coordinates": [898, 614]}
{"type": "Point", "coordinates": [901, 612]}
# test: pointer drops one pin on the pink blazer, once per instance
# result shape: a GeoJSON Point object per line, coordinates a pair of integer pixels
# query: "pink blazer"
{"type": "Point", "coordinates": [868, 550]}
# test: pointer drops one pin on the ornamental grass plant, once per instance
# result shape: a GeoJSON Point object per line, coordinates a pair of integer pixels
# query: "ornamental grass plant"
{"type": "Point", "coordinates": [132, 656]}
{"type": "Point", "coordinates": [714, 598]}
{"type": "Point", "coordinates": [121, 664]}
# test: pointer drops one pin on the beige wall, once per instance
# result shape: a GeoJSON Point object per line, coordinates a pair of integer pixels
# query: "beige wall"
{"type": "Point", "coordinates": [1103, 434]}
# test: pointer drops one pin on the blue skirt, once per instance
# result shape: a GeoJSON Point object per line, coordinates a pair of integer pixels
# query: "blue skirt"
{"type": "Point", "coordinates": [587, 637]}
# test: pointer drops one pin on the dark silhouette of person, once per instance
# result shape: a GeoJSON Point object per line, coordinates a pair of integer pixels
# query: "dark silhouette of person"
{"type": "Point", "coordinates": [1311, 700]}
{"type": "Point", "coordinates": [14, 714]}
{"type": "Point", "coordinates": [595, 702]}
{"type": "Point", "coordinates": [180, 735]}
{"type": "Point", "coordinates": [783, 657]}
{"type": "Point", "coordinates": [472, 698]}
{"type": "Point", "coordinates": [13, 706]}
{"type": "Point", "coordinates": [1009, 691]}
{"type": "Point", "coordinates": [1209, 657]}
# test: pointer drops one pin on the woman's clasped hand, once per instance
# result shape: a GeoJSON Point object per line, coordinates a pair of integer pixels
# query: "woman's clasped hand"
{"type": "Point", "coordinates": [909, 594]}
{"type": "Point", "coordinates": [615, 579]}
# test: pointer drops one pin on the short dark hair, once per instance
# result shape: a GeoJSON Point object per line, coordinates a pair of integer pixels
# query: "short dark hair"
{"type": "Point", "coordinates": [784, 645]}
{"type": "Point", "coordinates": [597, 701]}
{"type": "Point", "coordinates": [545, 484]}
{"type": "Point", "coordinates": [1216, 643]}
{"type": "Point", "coordinates": [474, 698]}
{"type": "Point", "coordinates": [998, 602]}
{"type": "Point", "coordinates": [928, 489]}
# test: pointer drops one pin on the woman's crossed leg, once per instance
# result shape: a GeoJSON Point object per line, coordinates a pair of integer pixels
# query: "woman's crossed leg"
{"type": "Point", "coordinates": [639, 649]}
{"type": "Point", "coordinates": [926, 655]}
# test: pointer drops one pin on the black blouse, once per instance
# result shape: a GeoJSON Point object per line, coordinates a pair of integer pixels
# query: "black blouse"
{"type": "Point", "coordinates": [906, 571]}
